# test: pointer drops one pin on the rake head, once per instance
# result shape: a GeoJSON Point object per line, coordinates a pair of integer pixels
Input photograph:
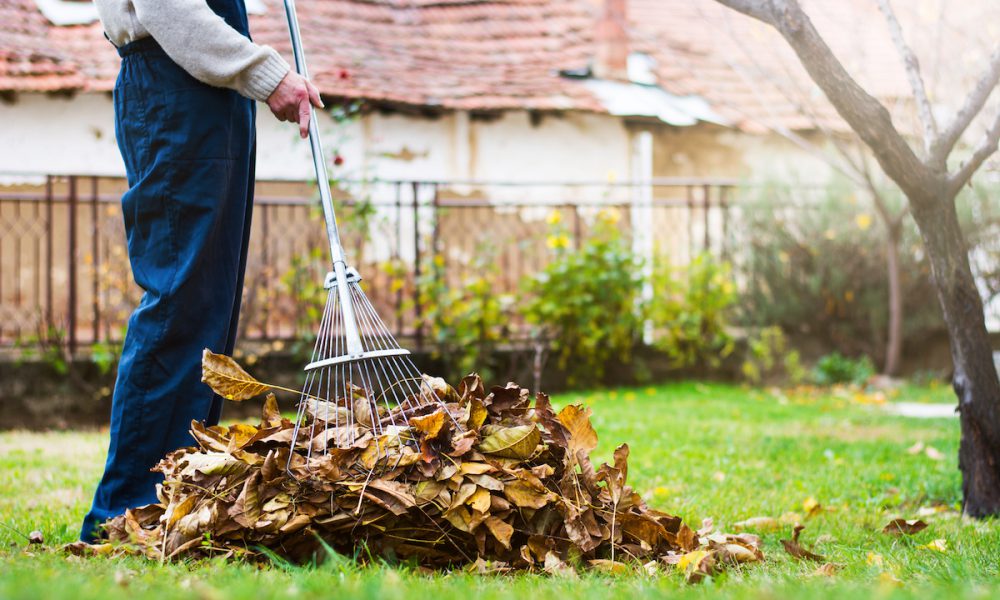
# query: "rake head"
{"type": "Point", "coordinates": [361, 387]}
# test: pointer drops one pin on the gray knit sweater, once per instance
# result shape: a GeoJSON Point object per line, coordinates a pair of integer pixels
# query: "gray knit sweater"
{"type": "Point", "coordinates": [198, 40]}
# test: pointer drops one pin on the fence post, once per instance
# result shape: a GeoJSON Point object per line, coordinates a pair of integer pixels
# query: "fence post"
{"type": "Point", "coordinates": [71, 266]}
{"type": "Point", "coordinates": [397, 255]}
{"type": "Point", "coordinates": [724, 215]}
{"type": "Point", "coordinates": [95, 303]}
{"type": "Point", "coordinates": [265, 230]}
{"type": "Point", "coordinates": [577, 228]}
{"type": "Point", "coordinates": [707, 194]}
{"type": "Point", "coordinates": [436, 235]}
{"type": "Point", "coordinates": [689, 193]}
{"type": "Point", "coordinates": [642, 219]}
{"type": "Point", "coordinates": [417, 309]}
{"type": "Point", "coordinates": [48, 255]}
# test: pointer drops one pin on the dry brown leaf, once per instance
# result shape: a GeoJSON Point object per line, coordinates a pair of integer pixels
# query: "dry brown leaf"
{"type": "Point", "coordinates": [904, 527]}
{"type": "Point", "coordinates": [510, 442]}
{"type": "Point", "coordinates": [228, 379]}
{"type": "Point", "coordinates": [525, 495]}
{"type": "Point", "coordinates": [500, 529]}
{"type": "Point", "coordinates": [758, 524]}
{"type": "Point", "coordinates": [576, 420]}
{"type": "Point", "coordinates": [793, 547]}
{"type": "Point", "coordinates": [429, 425]}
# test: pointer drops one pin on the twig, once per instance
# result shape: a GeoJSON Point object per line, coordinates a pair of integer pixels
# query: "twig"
{"type": "Point", "coordinates": [6, 526]}
{"type": "Point", "coordinates": [986, 147]}
{"type": "Point", "coordinates": [973, 105]}
{"type": "Point", "coordinates": [912, 74]}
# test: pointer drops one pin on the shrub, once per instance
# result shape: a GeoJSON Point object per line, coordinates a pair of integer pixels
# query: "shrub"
{"type": "Point", "coordinates": [465, 322]}
{"type": "Point", "coordinates": [586, 302]}
{"type": "Point", "coordinates": [836, 368]}
{"type": "Point", "coordinates": [817, 269]}
{"type": "Point", "coordinates": [770, 359]}
{"type": "Point", "coordinates": [691, 310]}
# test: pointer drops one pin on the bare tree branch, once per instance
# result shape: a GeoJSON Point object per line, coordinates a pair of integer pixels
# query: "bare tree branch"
{"type": "Point", "coordinates": [986, 147]}
{"type": "Point", "coordinates": [760, 10]}
{"type": "Point", "coordinates": [865, 114]}
{"type": "Point", "coordinates": [912, 74]}
{"type": "Point", "coordinates": [944, 144]}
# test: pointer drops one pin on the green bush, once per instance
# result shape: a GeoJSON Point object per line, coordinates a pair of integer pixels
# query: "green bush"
{"type": "Point", "coordinates": [836, 368]}
{"type": "Point", "coordinates": [691, 310]}
{"type": "Point", "coordinates": [816, 267]}
{"type": "Point", "coordinates": [465, 322]}
{"type": "Point", "coordinates": [769, 359]}
{"type": "Point", "coordinates": [586, 302]}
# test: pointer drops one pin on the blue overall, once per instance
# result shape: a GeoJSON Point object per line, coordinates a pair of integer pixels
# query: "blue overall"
{"type": "Point", "coordinates": [189, 156]}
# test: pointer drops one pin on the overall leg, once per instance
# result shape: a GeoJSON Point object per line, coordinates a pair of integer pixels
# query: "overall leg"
{"type": "Point", "coordinates": [187, 148]}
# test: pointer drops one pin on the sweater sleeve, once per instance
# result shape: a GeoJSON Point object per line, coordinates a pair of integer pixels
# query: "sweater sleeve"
{"type": "Point", "coordinates": [211, 51]}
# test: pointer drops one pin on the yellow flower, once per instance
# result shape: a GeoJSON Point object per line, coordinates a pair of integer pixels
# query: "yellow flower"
{"type": "Point", "coordinates": [554, 218]}
{"type": "Point", "coordinates": [611, 216]}
{"type": "Point", "coordinates": [864, 221]}
{"type": "Point", "coordinates": [849, 296]}
{"type": "Point", "coordinates": [556, 242]}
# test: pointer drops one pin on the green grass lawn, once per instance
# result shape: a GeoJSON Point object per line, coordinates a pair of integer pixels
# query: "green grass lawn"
{"type": "Point", "coordinates": [699, 450]}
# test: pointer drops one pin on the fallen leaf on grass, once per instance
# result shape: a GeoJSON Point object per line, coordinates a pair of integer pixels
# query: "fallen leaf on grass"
{"type": "Point", "coordinates": [933, 453]}
{"type": "Point", "coordinates": [612, 567]}
{"type": "Point", "coordinates": [793, 547]}
{"type": "Point", "coordinates": [826, 570]}
{"type": "Point", "coordinates": [697, 564]}
{"type": "Point", "coordinates": [938, 545]}
{"type": "Point", "coordinates": [904, 527]}
{"type": "Point", "coordinates": [758, 524]}
{"type": "Point", "coordinates": [916, 448]}
{"type": "Point", "coordinates": [875, 559]}
{"type": "Point", "coordinates": [811, 507]}
{"type": "Point", "coordinates": [887, 579]}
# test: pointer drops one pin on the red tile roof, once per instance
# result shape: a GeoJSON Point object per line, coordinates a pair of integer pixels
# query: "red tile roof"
{"type": "Point", "coordinates": [27, 60]}
{"type": "Point", "coordinates": [506, 54]}
{"type": "Point", "coordinates": [454, 54]}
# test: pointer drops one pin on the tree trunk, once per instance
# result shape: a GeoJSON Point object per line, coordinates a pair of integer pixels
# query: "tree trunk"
{"type": "Point", "coordinates": [975, 378]}
{"type": "Point", "coordinates": [894, 345]}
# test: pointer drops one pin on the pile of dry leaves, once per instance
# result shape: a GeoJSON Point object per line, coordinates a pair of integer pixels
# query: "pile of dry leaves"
{"type": "Point", "coordinates": [493, 478]}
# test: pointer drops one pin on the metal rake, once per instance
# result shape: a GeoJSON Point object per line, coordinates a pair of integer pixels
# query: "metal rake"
{"type": "Point", "coordinates": [359, 380]}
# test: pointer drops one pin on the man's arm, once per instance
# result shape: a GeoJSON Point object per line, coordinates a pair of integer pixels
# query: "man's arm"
{"type": "Point", "coordinates": [205, 46]}
{"type": "Point", "coordinates": [211, 51]}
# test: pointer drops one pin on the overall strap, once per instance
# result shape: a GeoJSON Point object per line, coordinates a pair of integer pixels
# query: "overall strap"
{"type": "Point", "coordinates": [234, 12]}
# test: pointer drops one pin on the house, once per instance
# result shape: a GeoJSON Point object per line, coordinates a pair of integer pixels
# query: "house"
{"type": "Point", "coordinates": [523, 90]}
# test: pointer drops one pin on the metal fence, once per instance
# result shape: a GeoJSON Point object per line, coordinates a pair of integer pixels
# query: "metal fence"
{"type": "Point", "coordinates": [64, 273]}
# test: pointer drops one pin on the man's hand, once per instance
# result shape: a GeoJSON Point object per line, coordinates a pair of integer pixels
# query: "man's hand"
{"type": "Point", "coordinates": [290, 101]}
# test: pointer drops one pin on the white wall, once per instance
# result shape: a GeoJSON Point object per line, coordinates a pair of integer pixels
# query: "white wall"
{"type": "Point", "coordinates": [51, 134]}
{"type": "Point", "coordinates": [41, 133]}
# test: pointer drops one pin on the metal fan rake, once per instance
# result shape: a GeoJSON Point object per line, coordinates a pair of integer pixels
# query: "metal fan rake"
{"type": "Point", "coordinates": [359, 380]}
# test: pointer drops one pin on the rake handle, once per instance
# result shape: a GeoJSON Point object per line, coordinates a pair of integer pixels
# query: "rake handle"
{"type": "Point", "coordinates": [351, 333]}
{"type": "Point", "coordinates": [319, 161]}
